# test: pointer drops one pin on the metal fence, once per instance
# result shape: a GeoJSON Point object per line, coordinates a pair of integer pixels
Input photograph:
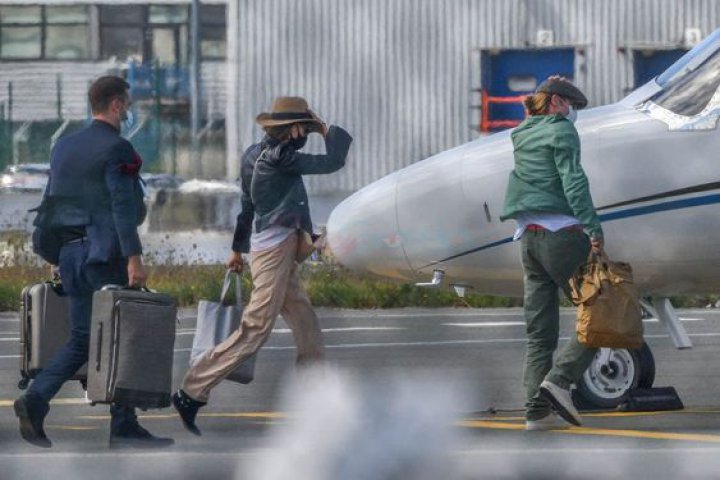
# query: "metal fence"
{"type": "Point", "coordinates": [161, 133]}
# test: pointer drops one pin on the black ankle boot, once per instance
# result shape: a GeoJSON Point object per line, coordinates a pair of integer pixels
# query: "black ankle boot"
{"type": "Point", "coordinates": [188, 410]}
{"type": "Point", "coordinates": [132, 435]}
{"type": "Point", "coordinates": [31, 411]}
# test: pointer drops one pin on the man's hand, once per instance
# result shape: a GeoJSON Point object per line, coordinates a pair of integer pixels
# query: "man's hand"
{"type": "Point", "coordinates": [137, 276]}
{"type": "Point", "coordinates": [235, 262]}
{"type": "Point", "coordinates": [55, 273]}
{"type": "Point", "coordinates": [597, 245]}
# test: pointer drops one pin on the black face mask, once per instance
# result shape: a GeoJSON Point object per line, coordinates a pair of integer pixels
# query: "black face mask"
{"type": "Point", "coordinates": [298, 143]}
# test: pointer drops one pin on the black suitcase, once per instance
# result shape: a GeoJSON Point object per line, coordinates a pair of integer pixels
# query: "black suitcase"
{"type": "Point", "coordinates": [44, 328]}
{"type": "Point", "coordinates": [132, 338]}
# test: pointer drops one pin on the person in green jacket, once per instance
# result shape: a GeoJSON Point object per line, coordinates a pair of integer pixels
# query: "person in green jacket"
{"type": "Point", "coordinates": [548, 196]}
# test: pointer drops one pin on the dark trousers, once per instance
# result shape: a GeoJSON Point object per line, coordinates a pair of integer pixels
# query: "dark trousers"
{"type": "Point", "coordinates": [80, 281]}
{"type": "Point", "coordinates": [549, 260]}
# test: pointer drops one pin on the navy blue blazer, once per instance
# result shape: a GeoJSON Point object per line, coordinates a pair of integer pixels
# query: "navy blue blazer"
{"type": "Point", "coordinates": [94, 182]}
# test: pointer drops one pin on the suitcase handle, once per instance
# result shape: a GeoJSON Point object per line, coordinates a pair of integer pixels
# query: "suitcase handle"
{"type": "Point", "coordinates": [99, 348]}
{"type": "Point", "coordinates": [114, 286]}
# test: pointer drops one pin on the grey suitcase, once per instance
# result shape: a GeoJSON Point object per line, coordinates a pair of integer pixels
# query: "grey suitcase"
{"type": "Point", "coordinates": [132, 337]}
{"type": "Point", "coordinates": [44, 328]}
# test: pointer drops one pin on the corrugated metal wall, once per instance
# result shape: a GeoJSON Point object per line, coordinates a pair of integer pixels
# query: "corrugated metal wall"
{"type": "Point", "coordinates": [399, 74]}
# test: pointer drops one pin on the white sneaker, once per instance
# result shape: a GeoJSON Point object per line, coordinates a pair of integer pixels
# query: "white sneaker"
{"type": "Point", "coordinates": [553, 421]}
{"type": "Point", "coordinates": [561, 401]}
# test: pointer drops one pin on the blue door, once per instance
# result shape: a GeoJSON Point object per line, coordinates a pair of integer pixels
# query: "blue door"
{"type": "Point", "coordinates": [651, 63]}
{"type": "Point", "coordinates": [511, 73]}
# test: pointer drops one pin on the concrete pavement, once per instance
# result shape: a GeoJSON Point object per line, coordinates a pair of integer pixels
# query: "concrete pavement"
{"type": "Point", "coordinates": [479, 353]}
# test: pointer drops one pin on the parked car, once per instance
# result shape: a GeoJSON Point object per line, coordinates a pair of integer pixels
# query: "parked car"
{"type": "Point", "coordinates": [25, 177]}
{"type": "Point", "coordinates": [161, 181]}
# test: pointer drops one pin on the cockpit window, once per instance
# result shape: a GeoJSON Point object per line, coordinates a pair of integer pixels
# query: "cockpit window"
{"type": "Point", "coordinates": [690, 83]}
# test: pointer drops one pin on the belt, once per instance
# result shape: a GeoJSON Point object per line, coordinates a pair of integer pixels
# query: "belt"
{"type": "Point", "coordinates": [76, 240]}
{"type": "Point", "coordinates": [536, 228]}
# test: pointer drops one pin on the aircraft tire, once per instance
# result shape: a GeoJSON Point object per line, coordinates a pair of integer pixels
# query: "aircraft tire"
{"type": "Point", "coordinates": [607, 387]}
{"type": "Point", "coordinates": [647, 366]}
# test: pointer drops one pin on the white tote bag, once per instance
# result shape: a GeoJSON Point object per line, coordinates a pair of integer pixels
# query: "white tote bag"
{"type": "Point", "coordinates": [216, 321]}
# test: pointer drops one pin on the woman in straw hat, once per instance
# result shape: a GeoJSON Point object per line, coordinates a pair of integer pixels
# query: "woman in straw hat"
{"type": "Point", "coordinates": [274, 202]}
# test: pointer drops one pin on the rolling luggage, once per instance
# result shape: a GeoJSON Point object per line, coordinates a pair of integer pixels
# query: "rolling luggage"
{"type": "Point", "coordinates": [44, 328]}
{"type": "Point", "coordinates": [132, 335]}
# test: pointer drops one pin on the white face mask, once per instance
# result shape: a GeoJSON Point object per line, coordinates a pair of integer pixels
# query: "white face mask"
{"type": "Point", "coordinates": [128, 120]}
{"type": "Point", "coordinates": [572, 114]}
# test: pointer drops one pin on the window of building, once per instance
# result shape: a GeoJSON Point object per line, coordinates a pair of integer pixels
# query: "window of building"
{"type": "Point", "coordinates": [20, 32]}
{"type": "Point", "coordinates": [51, 32]}
{"type": "Point", "coordinates": [121, 31]}
{"type": "Point", "coordinates": [522, 83]}
{"type": "Point", "coordinates": [213, 32]}
{"type": "Point", "coordinates": [168, 28]}
{"type": "Point", "coordinates": [67, 33]}
{"type": "Point", "coordinates": [145, 32]}
{"type": "Point", "coordinates": [140, 32]}
{"type": "Point", "coordinates": [168, 14]}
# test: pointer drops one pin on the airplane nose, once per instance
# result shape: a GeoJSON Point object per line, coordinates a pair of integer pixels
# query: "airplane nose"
{"type": "Point", "coordinates": [362, 232]}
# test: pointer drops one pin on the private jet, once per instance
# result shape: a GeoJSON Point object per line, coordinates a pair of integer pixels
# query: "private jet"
{"type": "Point", "coordinates": [653, 161]}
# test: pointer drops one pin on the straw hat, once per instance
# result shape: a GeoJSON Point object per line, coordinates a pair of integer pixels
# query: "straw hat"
{"type": "Point", "coordinates": [286, 110]}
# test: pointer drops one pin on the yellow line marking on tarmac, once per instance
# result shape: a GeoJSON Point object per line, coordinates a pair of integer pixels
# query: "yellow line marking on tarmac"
{"type": "Point", "coordinates": [491, 418]}
{"type": "Point", "coordinates": [246, 415]}
{"type": "Point", "coordinates": [489, 424]}
{"type": "Point", "coordinates": [690, 437]}
{"type": "Point", "coordinates": [649, 414]}
{"type": "Point", "coordinates": [612, 414]}
{"type": "Point", "coordinates": [268, 415]}
{"type": "Point", "coordinates": [601, 415]}
{"type": "Point", "coordinates": [57, 401]}
{"type": "Point", "coordinates": [499, 423]}
{"type": "Point", "coordinates": [70, 427]}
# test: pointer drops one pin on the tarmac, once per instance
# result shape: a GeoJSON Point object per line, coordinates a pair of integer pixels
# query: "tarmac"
{"type": "Point", "coordinates": [411, 393]}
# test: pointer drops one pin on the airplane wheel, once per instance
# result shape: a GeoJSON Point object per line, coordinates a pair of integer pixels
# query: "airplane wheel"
{"type": "Point", "coordinates": [647, 366]}
{"type": "Point", "coordinates": [607, 385]}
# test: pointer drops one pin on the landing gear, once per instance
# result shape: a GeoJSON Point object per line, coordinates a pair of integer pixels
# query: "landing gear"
{"type": "Point", "coordinates": [612, 373]}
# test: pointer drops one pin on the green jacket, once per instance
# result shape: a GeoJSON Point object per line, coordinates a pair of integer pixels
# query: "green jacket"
{"type": "Point", "coordinates": [548, 176]}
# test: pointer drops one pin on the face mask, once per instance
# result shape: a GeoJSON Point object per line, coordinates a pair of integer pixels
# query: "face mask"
{"type": "Point", "coordinates": [298, 143]}
{"type": "Point", "coordinates": [572, 114]}
{"type": "Point", "coordinates": [128, 119]}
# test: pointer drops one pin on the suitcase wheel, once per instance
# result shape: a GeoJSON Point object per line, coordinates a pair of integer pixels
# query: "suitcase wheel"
{"type": "Point", "coordinates": [23, 383]}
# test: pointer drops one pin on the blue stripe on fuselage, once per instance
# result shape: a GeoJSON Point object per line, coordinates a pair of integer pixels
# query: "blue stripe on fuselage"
{"type": "Point", "coordinates": [661, 207]}
{"type": "Point", "coordinates": [607, 217]}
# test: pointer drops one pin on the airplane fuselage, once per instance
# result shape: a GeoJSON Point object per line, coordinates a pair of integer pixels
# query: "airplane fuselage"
{"type": "Point", "coordinates": [656, 191]}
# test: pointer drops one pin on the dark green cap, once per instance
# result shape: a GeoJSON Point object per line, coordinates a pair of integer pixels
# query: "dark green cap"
{"type": "Point", "coordinates": [563, 87]}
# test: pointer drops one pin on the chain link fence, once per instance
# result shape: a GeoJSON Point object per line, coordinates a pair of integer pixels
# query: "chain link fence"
{"type": "Point", "coordinates": [38, 110]}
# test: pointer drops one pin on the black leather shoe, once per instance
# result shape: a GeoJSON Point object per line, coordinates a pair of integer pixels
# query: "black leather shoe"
{"type": "Point", "coordinates": [136, 436]}
{"type": "Point", "coordinates": [31, 412]}
{"type": "Point", "coordinates": [188, 410]}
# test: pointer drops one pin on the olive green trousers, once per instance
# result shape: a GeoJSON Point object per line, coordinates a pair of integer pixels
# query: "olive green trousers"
{"type": "Point", "coordinates": [549, 260]}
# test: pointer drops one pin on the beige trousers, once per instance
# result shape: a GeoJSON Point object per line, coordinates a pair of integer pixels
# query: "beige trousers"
{"type": "Point", "coordinates": [276, 289]}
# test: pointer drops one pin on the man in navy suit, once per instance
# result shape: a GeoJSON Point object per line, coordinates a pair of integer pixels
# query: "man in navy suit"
{"type": "Point", "coordinates": [96, 206]}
